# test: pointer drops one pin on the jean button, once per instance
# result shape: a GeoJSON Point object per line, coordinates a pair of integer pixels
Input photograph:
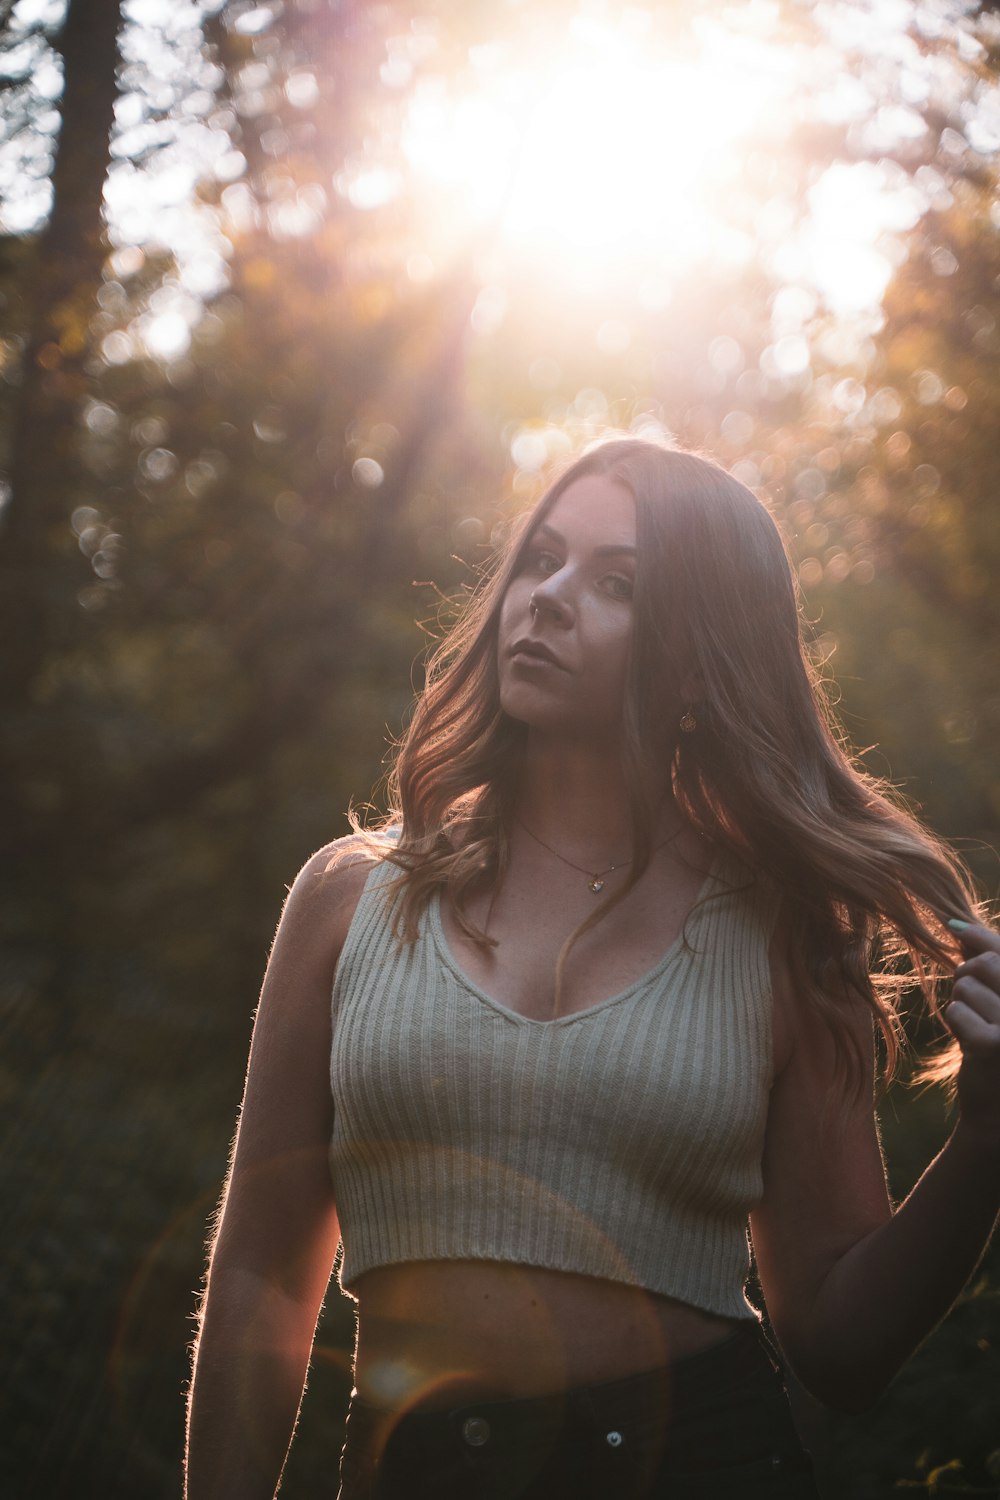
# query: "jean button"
{"type": "Point", "coordinates": [776, 1461]}
{"type": "Point", "coordinates": [476, 1431]}
{"type": "Point", "coordinates": [614, 1439]}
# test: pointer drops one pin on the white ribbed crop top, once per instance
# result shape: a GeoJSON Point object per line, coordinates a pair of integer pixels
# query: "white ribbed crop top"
{"type": "Point", "coordinates": [623, 1141]}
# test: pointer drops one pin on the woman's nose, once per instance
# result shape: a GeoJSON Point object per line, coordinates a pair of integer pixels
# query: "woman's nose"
{"type": "Point", "coordinates": [552, 596]}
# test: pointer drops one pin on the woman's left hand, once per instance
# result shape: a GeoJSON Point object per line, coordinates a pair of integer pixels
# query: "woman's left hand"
{"type": "Point", "coordinates": [973, 1018]}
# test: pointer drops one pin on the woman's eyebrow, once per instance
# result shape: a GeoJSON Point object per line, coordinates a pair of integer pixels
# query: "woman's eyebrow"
{"type": "Point", "coordinates": [607, 549]}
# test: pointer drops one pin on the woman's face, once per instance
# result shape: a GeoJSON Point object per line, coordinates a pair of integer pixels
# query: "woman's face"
{"type": "Point", "coordinates": [566, 618]}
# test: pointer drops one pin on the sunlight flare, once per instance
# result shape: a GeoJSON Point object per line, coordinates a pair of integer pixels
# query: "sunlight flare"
{"type": "Point", "coordinates": [633, 150]}
{"type": "Point", "coordinates": [614, 149]}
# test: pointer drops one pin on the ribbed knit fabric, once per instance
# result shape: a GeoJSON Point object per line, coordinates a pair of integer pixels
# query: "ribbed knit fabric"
{"type": "Point", "coordinates": [623, 1142]}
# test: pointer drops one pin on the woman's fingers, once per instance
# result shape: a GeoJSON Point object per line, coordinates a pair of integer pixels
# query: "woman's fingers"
{"type": "Point", "coordinates": [983, 968]}
{"type": "Point", "coordinates": [977, 987]}
{"type": "Point", "coordinates": [976, 938]}
{"type": "Point", "coordinates": [968, 1018]}
{"type": "Point", "coordinates": [973, 1018]}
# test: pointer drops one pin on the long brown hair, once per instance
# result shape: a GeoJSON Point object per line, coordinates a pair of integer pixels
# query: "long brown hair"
{"type": "Point", "coordinates": [767, 773]}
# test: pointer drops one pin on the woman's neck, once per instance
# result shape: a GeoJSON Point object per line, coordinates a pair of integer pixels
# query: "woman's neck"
{"type": "Point", "coordinates": [577, 795]}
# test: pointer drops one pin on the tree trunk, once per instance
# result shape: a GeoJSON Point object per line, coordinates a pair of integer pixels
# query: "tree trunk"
{"type": "Point", "coordinates": [43, 765]}
{"type": "Point", "coordinates": [41, 568]}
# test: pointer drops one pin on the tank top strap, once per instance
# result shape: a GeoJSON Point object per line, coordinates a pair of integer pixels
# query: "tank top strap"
{"type": "Point", "coordinates": [370, 932]}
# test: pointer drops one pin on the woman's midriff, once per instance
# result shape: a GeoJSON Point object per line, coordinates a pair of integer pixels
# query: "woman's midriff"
{"type": "Point", "coordinates": [442, 1333]}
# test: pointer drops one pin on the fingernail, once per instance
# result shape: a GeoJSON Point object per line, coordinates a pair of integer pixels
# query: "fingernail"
{"type": "Point", "coordinates": [957, 925]}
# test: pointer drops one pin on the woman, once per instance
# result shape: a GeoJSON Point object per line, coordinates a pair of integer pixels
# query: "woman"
{"type": "Point", "coordinates": [601, 995]}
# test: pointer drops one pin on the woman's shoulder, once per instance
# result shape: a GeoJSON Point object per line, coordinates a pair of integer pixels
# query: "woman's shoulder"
{"type": "Point", "coordinates": [325, 893]}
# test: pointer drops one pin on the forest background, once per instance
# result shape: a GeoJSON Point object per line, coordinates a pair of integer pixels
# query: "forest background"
{"type": "Point", "coordinates": [299, 303]}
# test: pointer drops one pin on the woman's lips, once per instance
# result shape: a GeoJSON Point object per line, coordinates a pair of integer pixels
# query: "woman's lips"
{"type": "Point", "coordinates": [527, 650]}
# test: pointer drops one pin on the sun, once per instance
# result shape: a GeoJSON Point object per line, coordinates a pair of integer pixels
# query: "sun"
{"type": "Point", "coordinates": [607, 146]}
{"type": "Point", "coordinates": [609, 159]}
{"type": "Point", "coordinates": [624, 147]}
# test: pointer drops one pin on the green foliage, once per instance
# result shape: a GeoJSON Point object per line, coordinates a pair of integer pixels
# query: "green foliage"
{"type": "Point", "coordinates": [934, 1431]}
{"type": "Point", "coordinates": [898, 536]}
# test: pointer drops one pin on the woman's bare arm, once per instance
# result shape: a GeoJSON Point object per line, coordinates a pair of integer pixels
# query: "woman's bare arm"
{"type": "Point", "coordinates": [851, 1287]}
{"type": "Point", "coordinates": [277, 1236]}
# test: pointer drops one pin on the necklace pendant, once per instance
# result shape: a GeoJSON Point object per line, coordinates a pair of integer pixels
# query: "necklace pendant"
{"type": "Point", "coordinates": [596, 885]}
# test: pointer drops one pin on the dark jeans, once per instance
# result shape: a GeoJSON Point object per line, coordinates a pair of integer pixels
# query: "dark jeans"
{"type": "Point", "coordinates": [715, 1426]}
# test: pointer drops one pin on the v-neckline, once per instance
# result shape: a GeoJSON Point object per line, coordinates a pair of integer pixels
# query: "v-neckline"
{"type": "Point", "coordinates": [444, 948]}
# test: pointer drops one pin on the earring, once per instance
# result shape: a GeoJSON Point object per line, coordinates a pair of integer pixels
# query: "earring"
{"type": "Point", "coordinates": [688, 722]}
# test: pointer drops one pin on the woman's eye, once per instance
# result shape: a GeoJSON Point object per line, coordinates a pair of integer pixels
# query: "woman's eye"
{"type": "Point", "coordinates": [619, 585]}
{"type": "Point", "coordinates": [545, 562]}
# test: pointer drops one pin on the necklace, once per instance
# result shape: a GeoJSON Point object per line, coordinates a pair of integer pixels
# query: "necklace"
{"type": "Point", "coordinates": [595, 878]}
